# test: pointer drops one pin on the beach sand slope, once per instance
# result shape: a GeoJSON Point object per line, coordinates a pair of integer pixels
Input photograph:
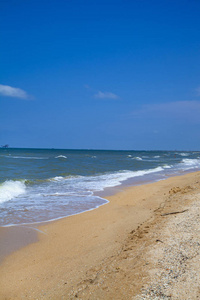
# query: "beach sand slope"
{"type": "Point", "coordinates": [144, 244]}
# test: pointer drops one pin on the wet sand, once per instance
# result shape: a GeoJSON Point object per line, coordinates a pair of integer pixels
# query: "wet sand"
{"type": "Point", "coordinates": [100, 254]}
{"type": "Point", "coordinates": [14, 238]}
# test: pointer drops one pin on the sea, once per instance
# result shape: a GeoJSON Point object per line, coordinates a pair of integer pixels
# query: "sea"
{"type": "Point", "coordinates": [40, 185]}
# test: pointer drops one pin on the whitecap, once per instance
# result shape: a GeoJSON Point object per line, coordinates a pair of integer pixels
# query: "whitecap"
{"type": "Point", "coordinates": [99, 182]}
{"type": "Point", "coordinates": [57, 178]}
{"type": "Point", "coordinates": [61, 156]}
{"type": "Point", "coordinates": [190, 163]}
{"type": "Point", "coordinates": [26, 157]}
{"type": "Point", "coordinates": [11, 189]}
{"type": "Point", "coordinates": [167, 167]}
{"type": "Point", "coordinates": [184, 154]}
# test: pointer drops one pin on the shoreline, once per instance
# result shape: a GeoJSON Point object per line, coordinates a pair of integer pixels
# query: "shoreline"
{"type": "Point", "coordinates": [13, 237]}
{"type": "Point", "coordinates": [78, 245]}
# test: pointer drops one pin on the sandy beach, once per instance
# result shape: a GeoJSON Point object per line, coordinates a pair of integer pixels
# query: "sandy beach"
{"type": "Point", "coordinates": [143, 244]}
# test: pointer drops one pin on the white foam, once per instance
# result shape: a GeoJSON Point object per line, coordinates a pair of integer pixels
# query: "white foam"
{"type": "Point", "coordinates": [137, 158]}
{"type": "Point", "coordinates": [26, 157]}
{"type": "Point", "coordinates": [57, 178]}
{"type": "Point", "coordinates": [167, 167]}
{"type": "Point", "coordinates": [190, 163]}
{"type": "Point", "coordinates": [86, 184]}
{"type": "Point", "coordinates": [145, 172]}
{"type": "Point", "coordinates": [99, 182]}
{"type": "Point", "coordinates": [11, 189]}
{"type": "Point", "coordinates": [61, 156]}
{"type": "Point", "coordinates": [184, 154]}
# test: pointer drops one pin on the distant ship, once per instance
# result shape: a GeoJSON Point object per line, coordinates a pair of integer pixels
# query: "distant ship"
{"type": "Point", "coordinates": [5, 146]}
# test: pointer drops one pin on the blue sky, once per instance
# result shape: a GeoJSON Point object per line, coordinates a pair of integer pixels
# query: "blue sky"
{"type": "Point", "coordinates": [100, 74]}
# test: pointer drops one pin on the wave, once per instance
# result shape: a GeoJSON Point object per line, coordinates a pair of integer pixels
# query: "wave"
{"type": "Point", "coordinates": [99, 182]}
{"type": "Point", "coordinates": [68, 194]}
{"type": "Point", "coordinates": [146, 172]}
{"type": "Point", "coordinates": [137, 158]}
{"type": "Point", "coordinates": [184, 154]}
{"type": "Point", "coordinates": [26, 157]}
{"type": "Point", "coordinates": [57, 178]}
{"type": "Point", "coordinates": [61, 178]}
{"type": "Point", "coordinates": [61, 156]}
{"type": "Point", "coordinates": [11, 189]}
{"type": "Point", "coordinates": [84, 185]}
{"type": "Point", "coordinates": [188, 163]}
{"type": "Point", "coordinates": [167, 167]}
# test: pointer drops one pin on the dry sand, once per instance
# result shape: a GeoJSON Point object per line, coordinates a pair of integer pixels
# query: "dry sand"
{"type": "Point", "coordinates": [131, 248]}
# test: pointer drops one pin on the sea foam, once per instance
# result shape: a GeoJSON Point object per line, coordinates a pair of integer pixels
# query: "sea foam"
{"type": "Point", "coordinates": [69, 182]}
{"type": "Point", "coordinates": [137, 158]}
{"type": "Point", "coordinates": [188, 163]}
{"type": "Point", "coordinates": [184, 154]}
{"type": "Point", "coordinates": [11, 189]}
{"type": "Point", "coordinates": [61, 156]}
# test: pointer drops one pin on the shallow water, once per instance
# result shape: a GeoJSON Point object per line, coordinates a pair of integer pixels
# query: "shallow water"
{"type": "Point", "coordinates": [44, 184]}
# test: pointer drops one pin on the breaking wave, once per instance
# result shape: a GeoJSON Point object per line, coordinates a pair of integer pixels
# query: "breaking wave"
{"type": "Point", "coordinates": [11, 189]}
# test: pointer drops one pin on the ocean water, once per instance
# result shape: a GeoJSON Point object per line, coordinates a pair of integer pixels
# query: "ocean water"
{"type": "Point", "coordinates": [38, 185]}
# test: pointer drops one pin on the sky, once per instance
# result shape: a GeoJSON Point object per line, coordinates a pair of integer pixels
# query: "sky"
{"type": "Point", "coordinates": [95, 74]}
